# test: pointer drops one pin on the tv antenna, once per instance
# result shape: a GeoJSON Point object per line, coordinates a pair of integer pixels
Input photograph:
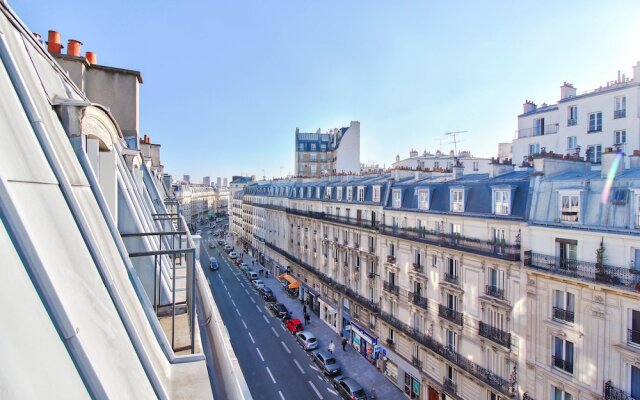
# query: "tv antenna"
{"type": "Point", "coordinates": [455, 141]}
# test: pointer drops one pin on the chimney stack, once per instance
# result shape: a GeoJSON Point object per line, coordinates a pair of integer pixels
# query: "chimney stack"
{"type": "Point", "coordinates": [634, 160]}
{"type": "Point", "coordinates": [92, 58]}
{"type": "Point", "coordinates": [528, 106]}
{"type": "Point", "coordinates": [567, 90]}
{"type": "Point", "coordinates": [458, 171]}
{"type": "Point", "coordinates": [636, 72]}
{"type": "Point", "coordinates": [607, 163]}
{"type": "Point", "coordinates": [53, 43]}
{"type": "Point", "coordinates": [73, 47]}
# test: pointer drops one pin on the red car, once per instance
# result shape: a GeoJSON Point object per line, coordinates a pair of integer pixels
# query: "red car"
{"type": "Point", "coordinates": [294, 325]}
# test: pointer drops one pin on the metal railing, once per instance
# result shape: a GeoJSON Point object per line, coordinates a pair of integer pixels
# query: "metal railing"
{"type": "Point", "coordinates": [613, 393]}
{"type": "Point", "coordinates": [449, 385]}
{"type": "Point", "coordinates": [541, 130]}
{"type": "Point", "coordinates": [488, 248]}
{"type": "Point", "coordinates": [566, 365]}
{"type": "Point", "coordinates": [451, 278]}
{"type": "Point", "coordinates": [360, 223]}
{"type": "Point", "coordinates": [417, 299]}
{"type": "Point", "coordinates": [562, 314]}
{"type": "Point", "coordinates": [572, 122]}
{"type": "Point", "coordinates": [417, 267]}
{"type": "Point", "coordinates": [619, 113]}
{"type": "Point", "coordinates": [391, 259]}
{"type": "Point", "coordinates": [494, 291]}
{"type": "Point", "coordinates": [391, 288]}
{"type": "Point", "coordinates": [416, 362]}
{"type": "Point", "coordinates": [497, 335]}
{"type": "Point", "coordinates": [450, 314]}
{"type": "Point", "coordinates": [625, 278]}
{"type": "Point", "coordinates": [633, 336]}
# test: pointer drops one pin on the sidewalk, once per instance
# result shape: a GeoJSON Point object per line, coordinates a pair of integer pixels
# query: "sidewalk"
{"type": "Point", "coordinates": [353, 364]}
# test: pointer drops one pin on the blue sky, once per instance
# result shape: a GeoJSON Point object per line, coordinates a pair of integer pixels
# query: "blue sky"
{"type": "Point", "coordinates": [227, 82]}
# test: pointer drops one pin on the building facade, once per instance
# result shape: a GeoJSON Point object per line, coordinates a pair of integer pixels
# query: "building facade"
{"type": "Point", "coordinates": [322, 154]}
{"type": "Point", "coordinates": [196, 200]}
{"type": "Point", "coordinates": [442, 161]}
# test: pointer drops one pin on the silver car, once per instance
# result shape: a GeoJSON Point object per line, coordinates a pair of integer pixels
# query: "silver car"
{"type": "Point", "coordinates": [307, 340]}
{"type": "Point", "coordinates": [327, 363]}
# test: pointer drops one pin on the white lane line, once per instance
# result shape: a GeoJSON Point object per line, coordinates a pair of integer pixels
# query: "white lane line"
{"type": "Point", "coordinates": [251, 337]}
{"type": "Point", "coordinates": [246, 291]}
{"type": "Point", "coordinates": [315, 390]}
{"type": "Point", "coordinates": [245, 325]}
{"type": "Point", "coordinates": [238, 313]}
{"type": "Point", "coordinates": [332, 392]}
{"type": "Point", "coordinates": [266, 319]}
{"type": "Point", "coordinates": [241, 284]}
{"type": "Point", "coordinates": [260, 354]}
{"type": "Point", "coordinates": [314, 367]}
{"type": "Point", "coordinates": [274, 331]}
{"type": "Point", "coordinates": [234, 303]}
{"type": "Point", "coordinates": [258, 307]}
{"type": "Point", "coordinates": [271, 375]}
{"type": "Point", "coordinates": [229, 294]}
{"type": "Point", "coordinates": [238, 279]}
{"type": "Point", "coordinates": [281, 396]}
{"type": "Point", "coordinates": [285, 347]}
{"type": "Point", "coordinates": [321, 378]}
{"type": "Point", "coordinates": [283, 328]}
{"type": "Point", "coordinates": [254, 302]}
{"type": "Point", "coordinates": [299, 367]}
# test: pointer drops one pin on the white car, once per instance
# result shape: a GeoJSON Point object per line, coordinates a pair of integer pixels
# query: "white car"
{"type": "Point", "coordinates": [233, 255]}
{"type": "Point", "coordinates": [258, 284]}
{"type": "Point", "coordinates": [307, 340]}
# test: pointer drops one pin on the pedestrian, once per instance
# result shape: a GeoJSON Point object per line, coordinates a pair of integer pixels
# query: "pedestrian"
{"type": "Point", "coordinates": [267, 274]}
{"type": "Point", "coordinates": [304, 309]}
{"type": "Point", "coordinates": [344, 343]}
{"type": "Point", "coordinates": [332, 347]}
{"type": "Point", "coordinates": [306, 319]}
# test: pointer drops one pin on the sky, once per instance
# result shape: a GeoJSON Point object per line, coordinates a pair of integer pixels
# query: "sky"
{"type": "Point", "coordinates": [226, 83]}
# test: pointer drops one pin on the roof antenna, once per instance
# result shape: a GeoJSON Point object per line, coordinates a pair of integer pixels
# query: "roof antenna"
{"type": "Point", "coordinates": [455, 141]}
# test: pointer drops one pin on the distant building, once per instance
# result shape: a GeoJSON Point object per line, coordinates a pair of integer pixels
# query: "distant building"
{"type": "Point", "coordinates": [224, 182]}
{"type": "Point", "coordinates": [584, 124]}
{"type": "Point", "coordinates": [218, 182]}
{"type": "Point", "coordinates": [151, 153]}
{"type": "Point", "coordinates": [206, 181]}
{"type": "Point", "coordinates": [336, 152]}
{"type": "Point", "coordinates": [442, 161]}
{"type": "Point", "coordinates": [370, 169]}
{"type": "Point", "coordinates": [186, 178]}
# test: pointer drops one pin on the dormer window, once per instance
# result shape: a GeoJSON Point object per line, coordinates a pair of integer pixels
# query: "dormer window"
{"type": "Point", "coordinates": [309, 192]}
{"type": "Point", "coordinates": [570, 208]}
{"type": "Point", "coordinates": [317, 192]}
{"type": "Point", "coordinates": [501, 202]}
{"type": "Point", "coordinates": [327, 193]}
{"type": "Point", "coordinates": [423, 199]}
{"type": "Point", "coordinates": [360, 193]}
{"type": "Point", "coordinates": [457, 200]}
{"type": "Point", "coordinates": [376, 194]}
{"type": "Point", "coordinates": [397, 198]}
{"type": "Point", "coordinates": [349, 193]}
{"type": "Point", "coordinates": [339, 193]}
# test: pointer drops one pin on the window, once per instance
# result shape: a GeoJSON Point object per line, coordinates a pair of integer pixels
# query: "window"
{"type": "Point", "coordinates": [313, 147]}
{"type": "Point", "coordinates": [572, 142]}
{"type": "Point", "coordinates": [570, 208]}
{"type": "Point", "coordinates": [567, 250]}
{"type": "Point", "coordinates": [314, 168]}
{"type": "Point", "coordinates": [559, 394]}
{"type": "Point", "coordinates": [450, 377]}
{"type": "Point", "coordinates": [534, 149]}
{"type": "Point", "coordinates": [349, 193]}
{"type": "Point", "coordinates": [397, 198]}
{"type": "Point", "coordinates": [501, 202]}
{"type": "Point", "coordinates": [476, 166]}
{"type": "Point", "coordinates": [634, 385]}
{"type": "Point", "coordinates": [323, 147]}
{"type": "Point", "coordinates": [392, 250]}
{"type": "Point", "coordinates": [327, 193]}
{"type": "Point", "coordinates": [360, 193]}
{"type": "Point", "coordinates": [301, 147]}
{"type": "Point", "coordinates": [309, 192]}
{"type": "Point", "coordinates": [633, 334]}
{"type": "Point", "coordinates": [572, 115]}
{"type": "Point", "coordinates": [452, 301]}
{"type": "Point", "coordinates": [313, 157]}
{"type": "Point", "coordinates": [423, 199]}
{"type": "Point", "coordinates": [595, 122]}
{"type": "Point", "coordinates": [376, 194]}
{"type": "Point", "coordinates": [339, 194]}
{"type": "Point", "coordinates": [318, 192]}
{"type": "Point", "coordinates": [434, 260]}
{"type": "Point", "coordinates": [495, 287]}
{"type": "Point", "coordinates": [498, 236]}
{"type": "Point", "coordinates": [455, 229]}
{"type": "Point", "coordinates": [538, 126]}
{"type": "Point", "coordinates": [451, 340]}
{"type": "Point", "coordinates": [562, 354]}
{"type": "Point", "coordinates": [417, 258]}
{"type": "Point", "coordinates": [594, 153]}
{"type": "Point", "coordinates": [564, 305]}
{"type": "Point", "coordinates": [620, 137]}
{"type": "Point", "coordinates": [620, 107]}
{"type": "Point", "coordinates": [457, 200]}
{"type": "Point", "coordinates": [436, 165]}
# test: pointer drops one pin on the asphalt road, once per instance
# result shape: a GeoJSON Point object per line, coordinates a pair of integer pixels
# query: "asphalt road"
{"type": "Point", "coordinates": [273, 363]}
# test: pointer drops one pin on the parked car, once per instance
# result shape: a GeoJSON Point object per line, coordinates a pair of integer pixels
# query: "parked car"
{"type": "Point", "coordinates": [220, 241]}
{"type": "Point", "coordinates": [257, 283]}
{"type": "Point", "coordinates": [327, 363]}
{"type": "Point", "coordinates": [307, 340]}
{"type": "Point", "coordinates": [294, 325]}
{"type": "Point", "coordinates": [243, 264]}
{"type": "Point", "coordinates": [233, 255]}
{"type": "Point", "coordinates": [252, 276]}
{"type": "Point", "coordinates": [280, 310]}
{"type": "Point", "coordinates": [228, 247]}
{"type": "Point", "coordinates": [267, 294]}
{"type": "Point", "coordinates": [349, 389]}
{"type": "Point", "coordinates": [213, 264]}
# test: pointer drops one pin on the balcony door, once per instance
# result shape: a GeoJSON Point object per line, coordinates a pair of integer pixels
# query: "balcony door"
{"type": "Point", "coordinates": [567, 253]}
{"type": "Point", "coordinates": [358, 215]}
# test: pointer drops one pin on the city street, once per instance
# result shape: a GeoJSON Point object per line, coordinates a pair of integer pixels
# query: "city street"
{"type": "Point", "coordinates": [273, 363]}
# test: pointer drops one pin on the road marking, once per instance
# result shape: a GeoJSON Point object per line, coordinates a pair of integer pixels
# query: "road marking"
{"type": "Point", "coordinates": [241, 284]}
{"type": "Point", "coordinates": [238, 313]}
{"type": "Point", "coordinates": [315, 390]}
{"type": "Point", "coordinates": [274, 331]}
{"type": "Point", "coordinates": [254, 302]}
{"type": "Point", "coordinates": [247, 292]}
{"type": "Point", "coordinates": [314, 367]}
{"type": "Point", "coordinates": [321, 378]}
{"type": "Point", "coordinates": [238, 279]}
{"type": "Point", "coordinates": [233, 302]}
{"type": "Point", "coordinates": [228, 294]}
{"type": "Point", "coordinates": [266, 319]}
{"type": "Point", "coordinates": [245, 325]}
{"type": "Point", "coordinates": [333, 392]}
{"type": "Point", "coordinates": [283, 328]}
{"type": "Point", "coordinates": [281, 396]}
{"type": "Point", "coordinates": [299, 367]}
{"type": "Point", "coordinates": [260, 354]}
{"type": "Point", "coordinates": [285, 347]}
{"type": "Point", "coordinates": [271, 375]}
{"type": "Point", "coordinates": [251, 337]}
{"type": "Point", "coordinates": [258, 307]}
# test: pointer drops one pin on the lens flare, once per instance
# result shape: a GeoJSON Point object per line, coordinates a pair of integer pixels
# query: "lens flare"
{"type": "Point", "coordinates": [610, 175]}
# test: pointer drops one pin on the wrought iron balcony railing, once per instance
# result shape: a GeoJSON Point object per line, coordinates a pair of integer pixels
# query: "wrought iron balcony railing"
{"type": "Point", "coordinates": [562, 314]}
{"type": "Point", "coordinates": [633, 336]}
{"type": "Point", "coordinates": [625, 278]}
{"type": "Point", "coordinates": [497, 335]}
{"type": "Point", "coordinates": [566, 365]}
{"type": "Point", "coordinates": [416, 362]}
{"type": "Point", "coordinates": [619, 114]}
{"type": "Point", "coordinates": [417, 299]}
{"type": "Point", "coordinates": [451, 278]}
{"type": "Point", "coordinates": [417, 267]}
{"type": "Point", "coordinates": [538, 131]}
{"type": "Point", "coordinates": [494, 291]}
{"type": "Point", "coordinates": [391, 288]}
{"type": "Point", "coordinates": [450, 314]}
{"type": "Point", "coordinates": [391, 259]}
{"type": "Point", "coordinates": [613, 393]}
{"type": "Point", "coordinates": [449, 385]}
{"type": "Point", "coordinates": [360, 223]}
{"type": "Point", "coordinates": [495, 249]}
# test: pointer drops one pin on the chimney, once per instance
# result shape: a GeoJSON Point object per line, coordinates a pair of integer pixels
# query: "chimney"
{"type": "Point", "coordinates": [634, 160]}
{"type": "Point", "coordinates": [609, 162]}
{"type": "Point", "coordinates": [498, 169]}
{"type": "Point", "coordinates": [567, 90]}
{"type": "Point", "coordinates": [528, 107]}
{"type": "Point", "coordinates": [37, 36]}
{"type": "Point", "coordinates": [458, 171]}
{"type": "Point", "coordinates": [73, 47]}
{"type": "Point", "coordinates": [636, 72]}
{"type": "Point", "coordinates": [53, 44]}
{"type": "Point", "coordinates": [92, 58]}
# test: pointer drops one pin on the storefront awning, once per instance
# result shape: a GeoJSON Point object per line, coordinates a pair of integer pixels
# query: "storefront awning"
{"type": "Point", "coordinates": [293, 282]}
{"type": "Point", "coordinates": [294, 285]}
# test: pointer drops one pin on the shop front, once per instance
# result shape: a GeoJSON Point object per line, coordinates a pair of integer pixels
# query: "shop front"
{"type": "Point", "coordinates": [364, 343]}
{"type": "Point", "coordinates": [310, 297]}
{"type": "Point", "coordinates": [328, 314]}
{"type": "Point", "coordinates": [402, 374]}
{"type": "Point", "coordinates": [291, 284]}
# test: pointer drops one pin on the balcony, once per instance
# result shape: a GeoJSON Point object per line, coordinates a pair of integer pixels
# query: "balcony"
{"type": "Point", "coordinates": [565, 365]}
{"type": "Point", "coordinates": [449, 385]}
{"type": "Point", "coordinates": [450, 314]}
{"type": "Point", "coordinates": [538, 131]}
{"type": "Point", "coordinates": [371, 275]}
{"type": "Point", "coordinates": [633, 336]}
{"type": "Point", "coordinates": [359, 223]}
{"type": "Point", "coordinates": [619, 113]}
{"type": "Point", "coordinates": [416, 362]}
{"type": "Point", "coordinates": [391, 288]}
{"type": "Point", "coordinates": [417, 267]}
{"type": "Point", "coordinates": [496, 335]}
{"type": "Point", "coordinates": [613, 393]}
{"type": "Point", "coordinates": [391, 259]}
{"type": "Point", "coordinates": [417, 299]}
{"type": "Point", "coordinates": [594, 128]}
{"type": "Point", "coordinates": [390, 342]}
{"type": "Point", "coordinates": [504, 251]}
{"type": "Point", "coordinates": [621, 277]}
{"type": "Point", "coordinates": [494, 291]}
{"type": "Point", "coordinates": [572, 122]}
{"type": "Point", "coordinates": [451, 278]}
{"type": "Point", "coordinates": [562, 314]}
